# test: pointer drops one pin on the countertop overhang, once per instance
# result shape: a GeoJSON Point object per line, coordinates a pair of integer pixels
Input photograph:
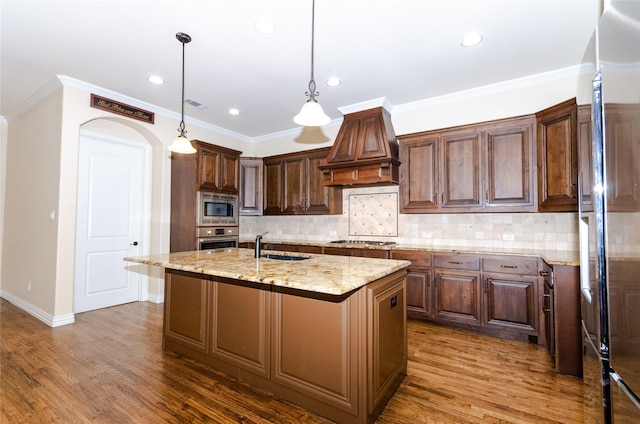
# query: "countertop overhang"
{"type": "Point", "coordinates": [326, 274]}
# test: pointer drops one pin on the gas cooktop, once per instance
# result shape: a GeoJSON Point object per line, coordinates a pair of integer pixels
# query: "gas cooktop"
{"type": "Point", "coordinates": [365, 242]}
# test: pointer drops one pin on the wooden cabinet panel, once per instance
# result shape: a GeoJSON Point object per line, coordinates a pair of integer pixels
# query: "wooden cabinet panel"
{"type": "Point", "coordinates": [273, 187]}
{"type": "Point", "coordinates": [457, 261]}
{"type": "Point", "coordinates": [585, 162]}
{"type": "Point", "coordinates": [461, 170]}
{"type": "Point", "coordinates": [486, 167]}
{"type": "Point", "coordinates": [218, 168]}
{"type": "Point", "coordinates": [240, 332]}
{"type": "Point", "coordinates": [511, 302]}
{"type": "Point", "coordinates": [419, 175]}
{"type": "Point", "coordinates": [251, 177]}
{"type": "Point", "coordinates": [457, 297]}
{"type": "Point", "coordinates": [419, 293]}
{"type": "Point", "coordinates": [314, 355]}
{"type": "Point", "coordinates": [186, 311]}
{"type": "Point", "coordinates": [294, 185]}
{"type": "Point", "coordinates": [558, 158]}
{"type": "Point", "coordinates": [509, 177]}
{"type": "Point", "coordinates": [623, 157]}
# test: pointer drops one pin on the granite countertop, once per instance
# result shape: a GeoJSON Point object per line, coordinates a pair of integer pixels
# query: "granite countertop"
{"type": "Point", "coordinates": [327, 274]}
{"type": "Point", "coordinates": [552, 257]}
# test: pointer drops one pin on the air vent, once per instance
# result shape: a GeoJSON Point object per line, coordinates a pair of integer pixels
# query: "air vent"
{"type": "Point", "coordinates": [195, 104]}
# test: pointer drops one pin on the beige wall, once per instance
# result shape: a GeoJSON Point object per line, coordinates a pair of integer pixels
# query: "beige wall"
{"type": "Point", "coordinates": [41, 171]}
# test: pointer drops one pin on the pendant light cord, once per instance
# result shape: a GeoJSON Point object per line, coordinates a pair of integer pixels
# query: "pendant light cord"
{"type": "Point", "coordinates": [312, 93]}
{"type": "Point", "coordinates": [183, 38]}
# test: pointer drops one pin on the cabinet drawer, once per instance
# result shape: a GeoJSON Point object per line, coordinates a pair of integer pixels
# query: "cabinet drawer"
{"type": "Point", "coordinates": [417, 259]}
{"type": "Point", "coordinates": [456, 261]}
{"type": "Point", "coordinates": [371, 253]}
{"type": "Point", "coordinates": [511, 265]}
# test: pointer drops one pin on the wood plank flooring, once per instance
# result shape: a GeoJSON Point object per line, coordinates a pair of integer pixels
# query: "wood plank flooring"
{"type": "Point", "coordinates": [109, 367]}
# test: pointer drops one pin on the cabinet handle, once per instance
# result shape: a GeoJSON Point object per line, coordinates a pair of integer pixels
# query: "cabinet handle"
{"type": "Point", "coordinates": [436, 197]}
{"type": "Point", "coordinates": [455, 262]}
{"type": "Point", "coordinates": [486, 196]}
{"type": "Point", "coordinates": [222, 181]}
{"type": "Point", "coordinates": [509, 266]}
{"type": "Point", "coordinates": [544, 273]}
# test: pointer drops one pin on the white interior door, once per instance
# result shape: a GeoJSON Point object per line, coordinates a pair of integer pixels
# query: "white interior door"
{"type": "Point", "coordinates": [111, 211]}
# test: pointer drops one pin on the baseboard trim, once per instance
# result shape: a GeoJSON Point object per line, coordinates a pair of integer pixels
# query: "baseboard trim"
{"type": "Point", "coordinates": [47, 318]}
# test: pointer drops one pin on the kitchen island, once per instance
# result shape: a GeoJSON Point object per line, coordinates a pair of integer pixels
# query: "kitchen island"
{"type": "Point", "coordinates": [325, 332]}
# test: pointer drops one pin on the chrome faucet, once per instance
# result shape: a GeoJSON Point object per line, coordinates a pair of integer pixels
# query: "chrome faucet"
{"type": "Point", "coordinates": [257, 247]}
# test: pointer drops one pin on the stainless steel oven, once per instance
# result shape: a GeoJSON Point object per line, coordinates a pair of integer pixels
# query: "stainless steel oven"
{"type": "Point", "coordinates": [217, 237]}
{"type": "Point", "coordinates": [217, 209]}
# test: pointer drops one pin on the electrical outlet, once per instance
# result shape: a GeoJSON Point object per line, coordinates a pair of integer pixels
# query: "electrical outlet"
{"type": "Point", "coordinates": [508, 237]}
{"type": "Point", "coordinates": [278, 232]}
{"type": "Point", "coordinates": [333, 233]}
{"type": "Point", "coordinates": [427, 234]}
{"type": "Point", "coordinates": [29, 286]}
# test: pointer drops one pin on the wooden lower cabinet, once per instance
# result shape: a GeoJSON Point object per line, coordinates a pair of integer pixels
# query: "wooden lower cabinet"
{"type": "Point", "coordinates": [511, 303]}
{"type": "Point", "coordinates": [457, 297]}
{"type": "Point", "coordinates": [342, 357]}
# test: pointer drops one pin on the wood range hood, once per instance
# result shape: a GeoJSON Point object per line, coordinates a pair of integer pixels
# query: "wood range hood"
{"type": "Point", "coordinates": [365, 152]}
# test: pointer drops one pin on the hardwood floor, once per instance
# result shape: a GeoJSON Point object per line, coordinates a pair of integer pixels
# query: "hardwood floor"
{"type": "Point", "coordinates": [109, 367]}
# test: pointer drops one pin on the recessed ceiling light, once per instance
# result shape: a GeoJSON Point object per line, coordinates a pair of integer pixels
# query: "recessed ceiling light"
{"type": "Point", "coordinates": [155, 79]}
{"type": "Point", "coordinates": [264, 26]}
{"type": "Point", "coordinates": [333, 82]}
{"type": "Point", "coordinates": [234, 111]}
{"type": "Point", "coordinates": [472, 39]}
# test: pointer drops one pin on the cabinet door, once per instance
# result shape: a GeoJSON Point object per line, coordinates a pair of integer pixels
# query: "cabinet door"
{"type": "Point", "coordinates": [623, 157]}
{"type": "Point", "coordinates": [419, 297]}
{"type": "Point", "coordinates": [509, 174]}
{"type": "Point", "coordinates": [229, 173]}
{"type": "Point", "coordinates": [558, 158]}
{"type": "Point", "coordinates": [186, 311]}
{"type": "Point", "coordinates": [457, 297]}
{"type": "Point", "coordinates": [273, 187]}
{"type": "Point", "coordinates": [294, 184]}
{"type": "Point", "coordinates": [240, 332]}
{"type": "Point", "coordinates": [419, 175]}
{"type": "Point", "coordinates": [510, 303]}
{"type": "Point", "coordinates": [585, 163]}
{"type": "Point", "coordinates": [209, 168]}
{"type": "Point", "coordinates": [461, 171]}
{"type": "Point", "coordinates": [317, 200]}
{"type": "Point", "coordinates": [250, 199]}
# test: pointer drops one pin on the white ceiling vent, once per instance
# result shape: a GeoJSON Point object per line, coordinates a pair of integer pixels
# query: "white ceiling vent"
{"type": "Point", "coordinates": [195, 104]}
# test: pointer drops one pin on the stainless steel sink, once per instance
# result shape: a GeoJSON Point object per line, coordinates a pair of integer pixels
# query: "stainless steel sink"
{"type": "Point", "coordinates": [283, 257]}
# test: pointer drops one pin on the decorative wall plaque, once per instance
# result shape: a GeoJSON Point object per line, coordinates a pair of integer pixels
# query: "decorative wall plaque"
{"type": "Point", "coordinates": [118, 108]}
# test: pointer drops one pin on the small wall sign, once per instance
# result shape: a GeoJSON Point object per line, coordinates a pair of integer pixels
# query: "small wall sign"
{"type": "Point", "coordinates": [112, 106]}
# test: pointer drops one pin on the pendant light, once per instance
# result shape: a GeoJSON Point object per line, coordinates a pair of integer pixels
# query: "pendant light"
{"type": "Point", "coordinates": [182, 144]}
{"type": "Point", "coordinates": [311, 114]}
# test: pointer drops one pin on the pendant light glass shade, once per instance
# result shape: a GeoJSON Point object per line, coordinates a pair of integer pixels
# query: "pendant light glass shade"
{"type": "Point", "coordinates": [311, 115]}
{"type": "Point", "coordinates": [182, 144]}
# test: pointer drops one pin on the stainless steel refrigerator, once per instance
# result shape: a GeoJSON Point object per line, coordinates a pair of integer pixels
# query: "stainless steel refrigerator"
{"type": "Point", "coordinates": [609, 186]}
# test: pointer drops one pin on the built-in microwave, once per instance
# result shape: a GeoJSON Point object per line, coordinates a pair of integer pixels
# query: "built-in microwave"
{"type": "Point", "coordinates": [217, 209]}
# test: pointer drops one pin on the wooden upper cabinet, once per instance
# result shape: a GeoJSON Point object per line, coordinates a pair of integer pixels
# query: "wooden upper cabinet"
{"type": "Point", "coordinates": [558, 158]}
{"type": "Point", "coordinates": [461, 170]}
{"type": "Point", "coordinates": [622, 133]}
{"type": "Point", "coordinates": [293, 185]}
{"type": "Point", "coordinates": [218, 168]}
{"type": "Point", "coordinates": [475, 168]}
{"type": "Point", "coordinates": [419, 174]}
{"type": "Point", "coordinates": [250, 199]}
{"type": "Point", "coordinates": [585, 162]}
{"type": "Point", "coordinates": [509, 178]}
{"type": "Point", "coordinates": [273, 184]}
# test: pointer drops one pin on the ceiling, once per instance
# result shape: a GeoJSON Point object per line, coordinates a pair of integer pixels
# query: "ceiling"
{"type": "Point", "coordinates": [403, 50]}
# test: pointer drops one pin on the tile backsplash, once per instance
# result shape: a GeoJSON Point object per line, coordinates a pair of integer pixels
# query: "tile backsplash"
{"type": "Point", "coordinates": [372, 214]}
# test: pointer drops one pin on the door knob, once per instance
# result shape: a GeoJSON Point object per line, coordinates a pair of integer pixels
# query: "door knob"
{"type": "Point", "coordinates": [135, 243]}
